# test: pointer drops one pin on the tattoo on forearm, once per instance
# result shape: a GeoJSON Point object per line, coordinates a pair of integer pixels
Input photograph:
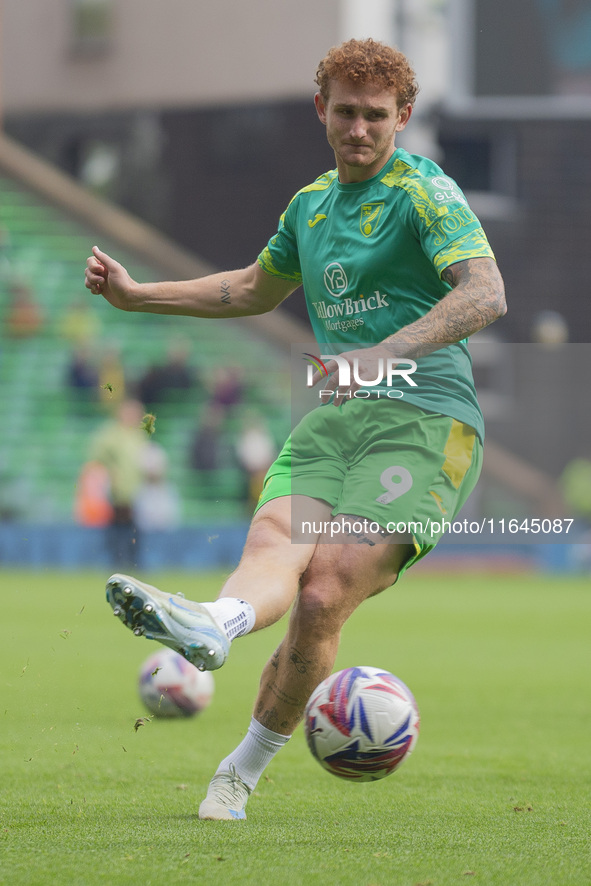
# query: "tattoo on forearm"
{"type": "Point", "coordinates": [483, 297]}
{"type": "Point", "coordinates": [225, 290]}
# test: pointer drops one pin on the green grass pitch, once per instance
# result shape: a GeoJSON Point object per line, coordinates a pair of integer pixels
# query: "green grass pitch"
{"type": "Point", "coordinates": [498, 790]}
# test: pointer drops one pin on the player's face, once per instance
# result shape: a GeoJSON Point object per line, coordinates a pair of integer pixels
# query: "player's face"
{"type": "Point", "coordinates": [361, 125]}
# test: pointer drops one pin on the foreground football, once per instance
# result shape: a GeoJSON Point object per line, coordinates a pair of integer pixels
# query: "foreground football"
{"type": "Point", "coordinates": [170, 686]}
{"type": "Point", "coordinates": [361, 723]}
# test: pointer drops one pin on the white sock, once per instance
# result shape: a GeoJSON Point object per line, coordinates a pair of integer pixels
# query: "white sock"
{"type": "Point", "coordinates": [255, 751]}
{"type": "Point", "coordinates": [236, 617]}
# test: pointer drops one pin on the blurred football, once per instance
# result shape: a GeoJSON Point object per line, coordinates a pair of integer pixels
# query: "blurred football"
{"type": "Point", "coordinates": [170, 686]}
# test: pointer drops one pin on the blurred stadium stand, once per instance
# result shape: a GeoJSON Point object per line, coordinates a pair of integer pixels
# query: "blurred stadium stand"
{"type": "Point", "coordinates": [48, 225]}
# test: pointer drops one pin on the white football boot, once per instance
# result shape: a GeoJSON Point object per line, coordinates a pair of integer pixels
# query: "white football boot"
{"type": "Point", "coordinates": [226, 798]}
{"type": "Point", "coordinates": [183, 625]}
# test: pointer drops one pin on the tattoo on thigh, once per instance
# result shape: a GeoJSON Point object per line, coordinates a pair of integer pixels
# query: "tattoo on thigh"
{"type": "Point", "coordinates": [363, 539]}
{"type": "Point", "coordinates": [361, 534]}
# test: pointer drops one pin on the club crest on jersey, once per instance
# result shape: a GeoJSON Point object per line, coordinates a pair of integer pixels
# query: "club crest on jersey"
{"type": "Point", "coordinates": [370, 217]}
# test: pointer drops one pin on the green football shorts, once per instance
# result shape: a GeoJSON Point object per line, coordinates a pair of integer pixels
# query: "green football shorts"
{"type": "Point", "coordinates": [391, 463]}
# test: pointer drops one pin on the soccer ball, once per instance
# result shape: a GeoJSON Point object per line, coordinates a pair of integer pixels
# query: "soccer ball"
{"type": "Point", "coordinates": [170, 686]}
{"type": "Point", "coordinates": [361, 723]}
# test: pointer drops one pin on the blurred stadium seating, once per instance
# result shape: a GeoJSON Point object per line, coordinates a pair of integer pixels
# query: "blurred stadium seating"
{"type": "Point", "coordinates": [46, 431]}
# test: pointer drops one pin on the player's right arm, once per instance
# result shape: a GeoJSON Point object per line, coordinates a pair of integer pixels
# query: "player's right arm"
{"type": "Point", "coordinates": [238, 293]}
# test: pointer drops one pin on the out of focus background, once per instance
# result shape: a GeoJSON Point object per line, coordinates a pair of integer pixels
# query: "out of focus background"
{"type": "Point", "coordinates": [173, 135]}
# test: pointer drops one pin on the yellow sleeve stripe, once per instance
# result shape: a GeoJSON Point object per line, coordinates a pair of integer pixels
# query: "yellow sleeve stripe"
{"type": "Point", "coordinates": [266, 263]}
{"type": "Point", "coordinates": [323, 182]}
{"type": "Point", "coordinates": [403, 176]}
{"type": "Point", "coordinates": [471, 245]}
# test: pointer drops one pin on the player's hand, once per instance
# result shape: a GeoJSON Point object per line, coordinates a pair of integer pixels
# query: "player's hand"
{"type": "Point", "coordinates": [347, 374]}
{"type": "Point", "coordinates": [105, 276]}
{"type": "Point", "coordinates": [363, 368]}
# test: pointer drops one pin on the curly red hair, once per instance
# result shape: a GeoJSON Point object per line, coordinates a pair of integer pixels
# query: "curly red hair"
{"type": "Point", "coordinates": [368, 61]}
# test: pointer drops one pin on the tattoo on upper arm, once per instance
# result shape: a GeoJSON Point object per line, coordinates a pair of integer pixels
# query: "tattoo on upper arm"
{"type": "Point", "coordinates": [482, 285]}
{"type": "Point", "coordinates": [477, 298]}
{"type": "Point", "coordinates": [225, 290]}
{"type": "Point", "coordinates": [474, 273]}
{"type": "Point", "coordinates": [469, 271]}
{"type": "Point", "coordinates": [448, 275]}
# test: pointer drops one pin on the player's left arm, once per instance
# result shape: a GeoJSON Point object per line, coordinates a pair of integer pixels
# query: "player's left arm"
{"type": "Point", "coordinates": [476, 299]}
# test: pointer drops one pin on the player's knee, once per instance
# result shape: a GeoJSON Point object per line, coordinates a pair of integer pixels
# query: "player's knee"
{"type": "Point", "coordinates": [320, 608]}
{"type": "Point", "coordinates": [316, 616]}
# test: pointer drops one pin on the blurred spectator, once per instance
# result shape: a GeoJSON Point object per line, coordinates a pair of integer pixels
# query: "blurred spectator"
{"type": "Point", "coordinates": [256, 450]}
{"type": "Point", "coordinates": [576, 488]}
{"type": "Point", "coordinates": [111, 377]}
{"type": "Point", "coordinates": [575, 483]}
{"type": "Point", "coordinates": [170, 377]}
{"type": "Point", "coordinates": [80, 324]}
{"type": "Point", "coordinates": [5, 255]}
{"type": "Point", "coordinates": [16, 496]}
{"type": "Point", "coordinates": [212, 453]}
{"type": "Point", "coordinates": [92, 504]}
{"type": "Point", "coordinates": [119, 446]}
{"type": "Point", "coordinates": [23, 315]}
{"type": "Point", "coordinates": [205, 450]}
{"type": "Point", "coordinates": [228, 388]}
{"type": "Point", "coordinates": [81, 372]}
{"type": "Point", "coordinates": [549, 328]}
{"type": "Point", "coordinates": [157, 503]}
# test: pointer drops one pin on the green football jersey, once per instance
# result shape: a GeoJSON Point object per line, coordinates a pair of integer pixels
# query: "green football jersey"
{"type": "Point", "coordinates": [370, 257]}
